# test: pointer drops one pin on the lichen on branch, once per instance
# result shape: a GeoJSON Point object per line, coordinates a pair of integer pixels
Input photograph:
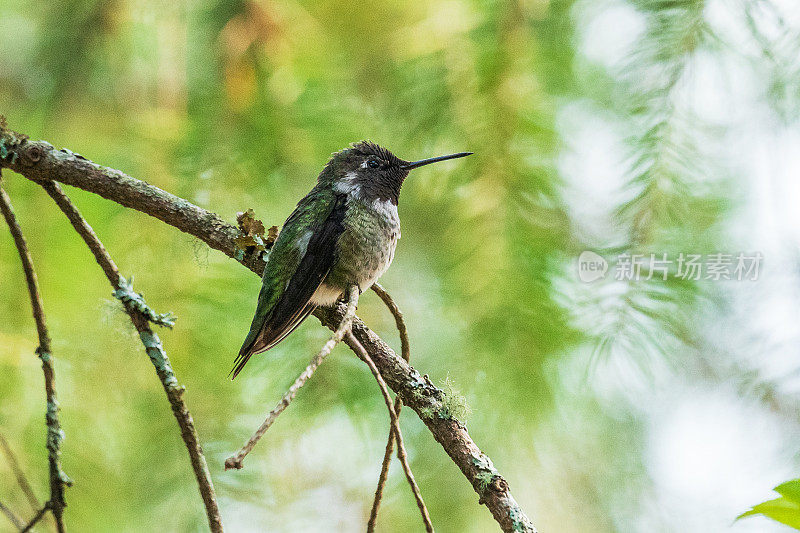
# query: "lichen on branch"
{"type": "Point", "coordinates": [124, 292]}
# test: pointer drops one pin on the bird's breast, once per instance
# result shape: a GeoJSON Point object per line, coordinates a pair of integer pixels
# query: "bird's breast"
{"type": "Point", "coordinates": [366, 247]}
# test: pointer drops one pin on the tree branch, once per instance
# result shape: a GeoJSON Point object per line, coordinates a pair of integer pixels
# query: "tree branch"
{"type": "Point", "coordinates": [141, 316]}
{"type": "Point", "coordinates": [36, 518]}
{"type": "Point", "coordinates": [402, 330]}
{"type": "Point", "coordinates": [58, 479]}
{"type": "Point", "coordinates": [12, 517]}
{"type": "Point", "coordinates": [426, 400]}
{"type": "Point", "coordinates": [405, 348]}
{"type": "Point", "coordinates": [235, 460]}
{"type": "Point", "coordinates": [22, 480]}
{"type": "Point", "coordinates": [395, 431]}
{"type": "Point", "coordinates": [39, 161]}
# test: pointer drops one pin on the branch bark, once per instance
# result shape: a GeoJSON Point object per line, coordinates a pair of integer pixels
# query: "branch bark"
{"type": "Point", "coordinates": [394, 429]}
{"type": "Point", "coordinates": [35, 520]}
{"type": "Point", "coordinates": [39, 161]}
{"type": "Point", "coordinates": [58, 479]}
{"type": "Point", "coordinates": [141, 316]}
{"type": "Point", "coordinates": [395, 425]}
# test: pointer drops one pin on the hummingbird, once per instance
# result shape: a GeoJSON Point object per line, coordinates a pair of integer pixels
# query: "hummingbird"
{"type": "Point", "coordinates": [342, 233]}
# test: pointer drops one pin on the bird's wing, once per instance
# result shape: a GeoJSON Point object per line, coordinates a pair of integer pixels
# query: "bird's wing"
{"type": "Point", "coordinates": [299, 261]}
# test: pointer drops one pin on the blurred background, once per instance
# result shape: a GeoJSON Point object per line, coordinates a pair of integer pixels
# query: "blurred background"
{"type": "Point", "coordinates": [617, 126]}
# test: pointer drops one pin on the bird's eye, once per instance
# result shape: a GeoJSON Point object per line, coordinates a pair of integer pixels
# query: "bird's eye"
{"type": "Point", "coordinates": [373, 163]}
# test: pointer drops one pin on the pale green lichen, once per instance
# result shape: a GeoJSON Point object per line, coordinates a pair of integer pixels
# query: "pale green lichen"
{"type": "Point", "coordinates": [415, 380]}
{"type": "Point", "coordinates": [484, 464]}
{"type": "Point", "coordinates": [55, 435]}
{"type": "Point", "coordinates": [486, 471]}
{"type": "Point", "coordinates": [131, 299]}
{"type": "Point", "coordinates": [159, 358]}
{"type": "Point", "coordinates": [517, 521]}
{"type": "Point", "coordinates": [44, 356]}
{"type": "Point", "coordinates": [8, 141]}
{"type": "Point", "coordinates": [454, 404]}
{"type": "Point", "coordinates": [73, 154]}
{"type": "Point", "coordinates": [426, 413]}
{"type": "Point", "coordinates": [484, 479]}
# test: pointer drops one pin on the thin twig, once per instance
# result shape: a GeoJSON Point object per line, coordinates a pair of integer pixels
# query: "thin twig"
{"type": "Point", "coordinates": [398, 404]}
{"type": "Point", "coordinates": [384, 295]}
{"type": "Point", "coordinates": [22, 480]}
{"type": "Point", "coordinates": [58, 479]}
{"type": "Point", "coordinates": [154, 350]}
{"type": "Point", "coordinates": [358, 348]}
{"type": "Point", "coordinates": [36, 518]}
{"type": "Point", "coordinates": [12, 517]}
{"type": "Point", "coordinates": [235, 461]}
{"type": "Point", "coordinates": [387, 459]}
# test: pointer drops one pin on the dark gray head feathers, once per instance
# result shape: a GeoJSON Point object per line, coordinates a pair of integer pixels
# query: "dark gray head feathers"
{"type": "Point", "coordinates": [372, 170]}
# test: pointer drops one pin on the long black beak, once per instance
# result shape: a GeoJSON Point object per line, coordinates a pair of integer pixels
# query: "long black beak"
{"type": "Point", "coordinates": [423, 162]}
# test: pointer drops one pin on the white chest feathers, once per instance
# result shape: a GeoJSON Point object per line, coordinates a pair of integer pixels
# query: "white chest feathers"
{"type": "Point", "coordinates": [377, 249]}
{"type": "Point", "coordinates": [387, 210]}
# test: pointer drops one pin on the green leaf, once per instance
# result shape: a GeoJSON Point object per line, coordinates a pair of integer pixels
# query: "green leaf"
{"type": "Point", "coordinates": [785, 509]}
{"type": "Point", "coordinates": [790, 490]}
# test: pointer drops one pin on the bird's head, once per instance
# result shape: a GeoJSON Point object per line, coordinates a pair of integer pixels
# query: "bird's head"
{"type": "Point", "coordinates": [372, 172]}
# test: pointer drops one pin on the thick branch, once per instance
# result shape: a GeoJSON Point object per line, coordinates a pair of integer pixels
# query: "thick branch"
{"type": "Point", "coordinates": [58, 479]}
{"type": "Point", "coordinates": [426, 400]}
{"type": "Point", "coordinates": [39, 161]}
{"type": "Point", "coordinates": [154, 349]}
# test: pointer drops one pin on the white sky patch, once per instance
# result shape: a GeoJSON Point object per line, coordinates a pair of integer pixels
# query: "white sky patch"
{"type": "Point", "coordinates": [711, 451]}
{"type": "Point", "coordinates": [609, 31]}
{"type": "Point", "coordinates": [762, 330]}
{"type": "Point", "coordinates": [711, 456]}
{"type": "Point", "coordinates": [707, 91]}
{"type": "Point", "coordinates": [593, 165]}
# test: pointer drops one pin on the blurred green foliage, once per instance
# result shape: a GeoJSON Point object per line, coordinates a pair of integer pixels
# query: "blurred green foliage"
{"type": "Point", "coordinates": [236, 105]}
